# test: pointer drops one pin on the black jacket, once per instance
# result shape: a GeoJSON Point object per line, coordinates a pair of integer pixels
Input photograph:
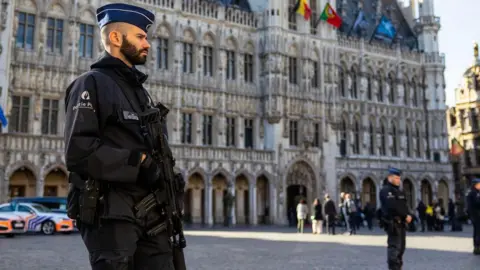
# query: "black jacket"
{"type": "Point", "coordinates": [330, 209]}
{"type": "Point", "coordinates": [394, 202]}
{"type": "Point", "coordinates": [103, 140]}
{"type": "Point", "coordinates": [317, 212]}
{"type": "Point", "coordinates": [473, 205]}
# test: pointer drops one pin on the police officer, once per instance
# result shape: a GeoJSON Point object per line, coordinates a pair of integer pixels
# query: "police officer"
{"type": "Point", "coordinates": [103, 142]}
{"type": "Point", "coordinates": [395, 214]}
{"type": "Point", "coordinates": [473, 204]}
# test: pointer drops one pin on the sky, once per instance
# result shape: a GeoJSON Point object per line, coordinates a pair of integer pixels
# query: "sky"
{"type": "Point", "coordinates": [460, 27]}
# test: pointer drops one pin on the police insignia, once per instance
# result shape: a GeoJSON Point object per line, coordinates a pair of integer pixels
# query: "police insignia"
{"type": "Point", "coordinates": [85, 95]}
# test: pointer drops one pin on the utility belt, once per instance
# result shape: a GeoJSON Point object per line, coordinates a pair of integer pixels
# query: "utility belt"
{"type": "Point", "coordinates": [85, 198]}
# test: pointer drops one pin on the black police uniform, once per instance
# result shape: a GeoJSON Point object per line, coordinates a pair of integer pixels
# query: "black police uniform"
{"type": "Point", "coordinates": [103, 142]}
{"type": "Point", "coordinates": [473, 204]}
{"type": "Point", "coordinates": [394, 212]}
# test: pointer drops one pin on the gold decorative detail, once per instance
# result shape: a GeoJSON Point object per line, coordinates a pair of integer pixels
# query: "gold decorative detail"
{"type": "Point", "coordinates": [475, 49]}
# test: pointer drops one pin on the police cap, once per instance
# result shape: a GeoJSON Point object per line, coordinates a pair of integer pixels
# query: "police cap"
{"type": "Point", "coordinates": [125, 13]}
{"type": "Point", "coordinates": [394, 171]}
{"type": "Point", "coordinates": [475, 181]}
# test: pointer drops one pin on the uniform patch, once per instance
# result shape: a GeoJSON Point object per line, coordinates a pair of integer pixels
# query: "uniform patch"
{"type": "Point", "coordinates": [130, 115]}
{"type": "Point", "coordinates": [83, 105]}
{"type": "Point", "coordinates": [85, 95]}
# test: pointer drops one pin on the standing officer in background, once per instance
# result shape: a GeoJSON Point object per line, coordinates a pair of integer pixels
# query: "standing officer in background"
{"type": "Point", "coordinates": [394, 215]}
{"type": "Point", "coordinates": [473, 208]}
{"type": "Point", "coordinates": [113, 174]}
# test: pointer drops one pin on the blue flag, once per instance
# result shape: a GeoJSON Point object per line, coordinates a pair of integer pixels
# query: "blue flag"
{"type": "Point", "coordinates": [3, 119]}
{"type": "Point", "coordinates": [385, 30]}
{"type": "Point", "coordinates": [360, 23]}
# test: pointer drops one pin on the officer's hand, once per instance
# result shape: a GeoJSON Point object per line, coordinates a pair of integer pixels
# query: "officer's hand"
{"type": "Point", "coordinates": [409, 219]}
{"type": "Point", "coordinates": [149, 172]}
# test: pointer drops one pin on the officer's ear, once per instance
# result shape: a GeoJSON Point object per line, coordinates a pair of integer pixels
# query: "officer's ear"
{"type": "Point", "coordinates": [115, 38]}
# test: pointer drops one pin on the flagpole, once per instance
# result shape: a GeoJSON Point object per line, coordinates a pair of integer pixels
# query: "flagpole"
{"type": "Point", "coordinates": [349, 31]}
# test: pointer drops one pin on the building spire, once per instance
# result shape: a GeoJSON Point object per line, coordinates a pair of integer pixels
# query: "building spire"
{"type": "Point", "coordinates": [475, 50]}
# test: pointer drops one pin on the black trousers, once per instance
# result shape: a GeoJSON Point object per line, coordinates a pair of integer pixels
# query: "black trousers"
{"type": "Point", "coordinates": [396, 247]}
{"type": "Point", "coordinates": [123, 245]}
{"type": "Point", "coordinates": [330, 223]}
{"type": "Point", "coordinates": [476, 233]}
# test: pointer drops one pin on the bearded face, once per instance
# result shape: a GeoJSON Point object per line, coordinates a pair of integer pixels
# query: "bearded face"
{"type": "Point", "coordinates": [136, 56]}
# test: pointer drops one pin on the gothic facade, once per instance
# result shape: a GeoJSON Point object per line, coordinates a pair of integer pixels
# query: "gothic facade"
{"type": "Point", "coordinates": [264, 105]}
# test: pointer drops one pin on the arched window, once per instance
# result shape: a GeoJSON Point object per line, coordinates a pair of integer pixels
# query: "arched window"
{"type": "Point", "coordinates": [409, 142]}
{"type": "Point", "coordinates": [341, 81]}
{"type": "Point", "coordinates": [383, 139]}
{"type": "Point", "coordinates": [369, 87]}
{"type": "Point", "coordinates": [414, 94]}
{"type": "Point", "coordinates": [419, 145]}
{"type": "Point", "coordinates": [392, 90]}
{"type": "Point", "coordinates": [371, 131]}
{"type": "Point", "coordinates": [353, 90]}
{"type": "Point", "coordinates": [406, 94]}
{"type": "Point", "coordinates": [356, 137]}
{"type": "Point", "coordinates": [394, 140]}
{"type": "Point", "coordinates": [380, 90]}
{"type": "Point", "coordinates": [343, 136]}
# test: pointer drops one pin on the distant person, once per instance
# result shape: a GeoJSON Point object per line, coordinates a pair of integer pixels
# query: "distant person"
{"type": "Point", "coordinates": [302, 211]}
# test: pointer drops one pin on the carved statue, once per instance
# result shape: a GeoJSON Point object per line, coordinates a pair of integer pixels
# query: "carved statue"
{"type": "Point", "coordinates": [475, 50]}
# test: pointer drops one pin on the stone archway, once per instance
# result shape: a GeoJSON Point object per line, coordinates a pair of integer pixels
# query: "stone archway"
{"type": "Point", "coordinates": [263, 200]}
{"type": "Point", "coordinates": [219, 189]}
{"type": "Point", "coordinates": [301, 184]}
{"type": "Point", "coordinates": [426, 192]}
{"type": "Point", "coordinates": [22, 183]}
{"type": "Point", "coordinates": [242, 202]}
{"type": "Point", "coordinates": [302, 178]}
{"type": "Point", "coordinates": [409, 193]}
{"type": "Point", "coordinates": [369, 192]}
{"type": "Point", "coordinates": [347, 185]}
{"type": "Point", "coordinates": [195, 199]}
{"type": "Point", "coordinates": [443, 193]}
{"type": "Point", "coordinates": [55, 184]}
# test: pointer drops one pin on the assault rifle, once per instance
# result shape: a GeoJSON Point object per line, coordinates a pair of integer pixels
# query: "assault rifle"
{"type": "Point", "coordinates": [152, 123]}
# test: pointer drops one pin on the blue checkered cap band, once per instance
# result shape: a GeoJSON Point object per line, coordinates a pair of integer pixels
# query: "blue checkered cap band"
{"type": "Point", "coordinates": [394, 171]}
{"type": "Point", "coordinates": [125, 13]}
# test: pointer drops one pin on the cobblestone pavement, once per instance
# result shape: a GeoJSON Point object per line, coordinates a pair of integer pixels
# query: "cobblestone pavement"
{"type": "Point", "coordinates": [267, 248]}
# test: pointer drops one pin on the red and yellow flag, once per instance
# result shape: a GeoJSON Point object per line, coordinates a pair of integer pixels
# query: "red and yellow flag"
{"type": "Point", "coordinates": [330, 16]}
{"type": "Point", "coordinates": [303, 9]}
{"type": "Point", "coordinates": [456, 149]}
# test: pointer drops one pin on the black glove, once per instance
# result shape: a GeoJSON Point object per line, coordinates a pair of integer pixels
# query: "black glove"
{"type": "Point", "coordinates": [149, 173]}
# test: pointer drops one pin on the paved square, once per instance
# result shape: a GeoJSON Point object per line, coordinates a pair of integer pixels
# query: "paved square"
{"type": "Point", "coordinates": [261, 248]}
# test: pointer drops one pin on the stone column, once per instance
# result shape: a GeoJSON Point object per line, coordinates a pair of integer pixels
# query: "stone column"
{"type": "Point", "coordinates": [272, 197]}
{"type": "Point", "coordinates": [208, 203]}
{"type": "Point", "coordinates": [231, 189]}
{"type": "Point", "coordinates": [253, 204]}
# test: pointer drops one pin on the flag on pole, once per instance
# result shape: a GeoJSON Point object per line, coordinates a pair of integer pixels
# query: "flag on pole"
{"type": "Point", "coordinates": [303, 9]}
{"type": "Point", "coordinates": [385, 30]}
{"type": "Point", "coordinates": [3, 119]}
{"type": "Point", "coordinates": [456, 149]}
{"type": "Point", "coordinates": [330, 16]}
{"type": "Point", "coordinates": [360, 23]}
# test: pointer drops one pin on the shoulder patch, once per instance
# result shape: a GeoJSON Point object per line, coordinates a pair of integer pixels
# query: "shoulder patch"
{"type": "Point", "coordinates": [85, 95]}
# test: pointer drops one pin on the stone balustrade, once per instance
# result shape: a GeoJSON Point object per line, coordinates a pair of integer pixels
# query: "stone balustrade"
{"type": "Point", "coordinates": [407, 165]}
{"type": "Point", "coordinates": [18, 143]}
{"type": "Point", "coordinates": [192, 152]}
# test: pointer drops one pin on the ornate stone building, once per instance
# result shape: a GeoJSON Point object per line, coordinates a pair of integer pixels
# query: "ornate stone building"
{"type": "Point", "coordinates": [266, 105]}
{"type": "Point", "coordinates": [464, 123]}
